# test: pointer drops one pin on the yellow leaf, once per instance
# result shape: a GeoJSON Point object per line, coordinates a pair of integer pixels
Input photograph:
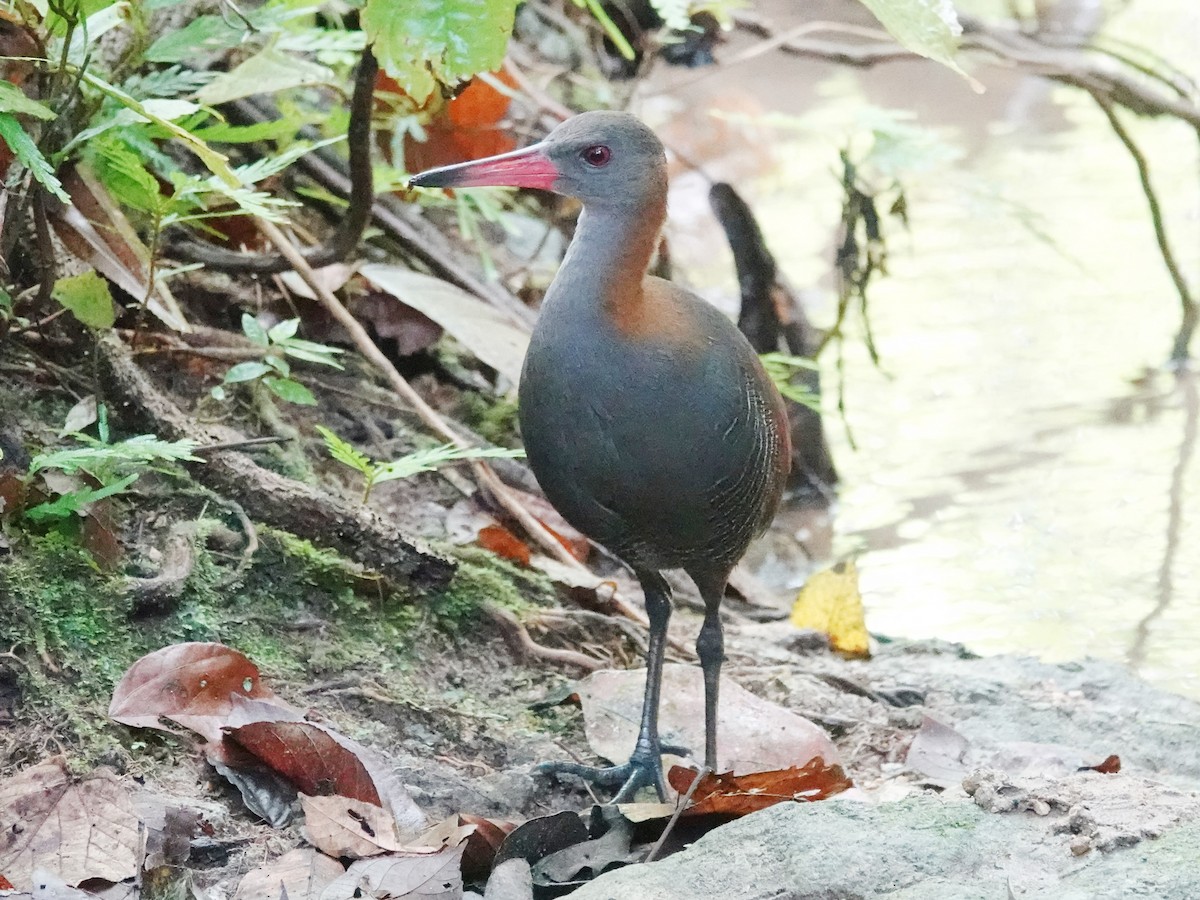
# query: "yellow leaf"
{"type": "Point", "coordinates": [830, 602]}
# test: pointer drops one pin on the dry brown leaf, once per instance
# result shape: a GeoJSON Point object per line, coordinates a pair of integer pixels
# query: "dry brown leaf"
{"type": "Point", "coordinates": [319, 761]}
{"type": "Point", "coordinates": [830, 602]}
{"type": "Point", "coordinates": [1110, 766]}
{"type": "Point", "coordinates": [426, 876]}
{"type": "Point", "coordinates": [342, 826]}
{"type": "Point", "coordinates": [76, 829]}
{"type": "Point", "coordinates": [499, 540]}
{"type": "Point", "coordinates": [755, 735]}
{"type": "Point", "coordinates": [738, 795]}
{"type": "Point", "coordinates": [304, 873]}
{"type": "Point", "coordinates": [482, 844]}
{"type": "Point", "coordinates": [191, 684]}
{"type": "Point", "coordinates": [479, 327]}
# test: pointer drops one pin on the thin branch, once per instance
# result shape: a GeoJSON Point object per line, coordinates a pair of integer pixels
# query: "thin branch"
{"type": "Point", "coordinates": [1189, 305]}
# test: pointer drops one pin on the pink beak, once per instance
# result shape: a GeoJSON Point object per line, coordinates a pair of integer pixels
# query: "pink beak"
{"type": "Point", "coordinates": [528, 168]}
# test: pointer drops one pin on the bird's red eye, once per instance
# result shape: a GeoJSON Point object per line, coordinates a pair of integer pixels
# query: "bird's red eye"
{"type": "Point", "coordinates": [597, 156]}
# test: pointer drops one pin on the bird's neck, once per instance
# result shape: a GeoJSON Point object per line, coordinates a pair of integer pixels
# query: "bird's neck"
{"type": "Point", "coordinates": [606, 263]}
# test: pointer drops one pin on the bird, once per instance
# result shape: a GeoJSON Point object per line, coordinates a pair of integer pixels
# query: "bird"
{"type": "Point", "coordinates": [647, 418]}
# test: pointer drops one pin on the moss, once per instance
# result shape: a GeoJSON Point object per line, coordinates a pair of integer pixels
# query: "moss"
{"type": "Point", "coordinates": [493, 418]}
{"type": "Point", "coordinates": [482, 577]}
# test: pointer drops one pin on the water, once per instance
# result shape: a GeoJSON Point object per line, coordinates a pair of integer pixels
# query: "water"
{"type": "Point", "coordinates": [1026, 476]}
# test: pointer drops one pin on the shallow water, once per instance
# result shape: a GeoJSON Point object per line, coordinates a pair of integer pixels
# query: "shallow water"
{"type": "Point", "coordinates": [1026, 476]}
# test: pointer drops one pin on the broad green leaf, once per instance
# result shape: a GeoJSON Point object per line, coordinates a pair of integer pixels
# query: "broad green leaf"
{"type": "Point", "coordinates": [422, 42]}
{"type": "Point", "coordinates": [13, 100]}
{"type": "Point", "coordinates": [28, 155]}
{"type": "Point", "coordinates": [88, 298]}
{"type": "Point", "coordinates": [267, 72]}
{"type": "Point", "coordinates": [246, 371]}
{"type": "Point", "coordinates": [291, 391]}
{"type": "Point", "coordinates": [279, 364]}
{"type": "Point", "coordinates": [201, 35]}
{"type": "Point", "coordinates": [224, 133]}
{"type": "Point", "coordinates": [253, 330]}
{"type": "Point", "coordinates": [284, 330]}
{"type": "Point", "coordinates": [927, 27]}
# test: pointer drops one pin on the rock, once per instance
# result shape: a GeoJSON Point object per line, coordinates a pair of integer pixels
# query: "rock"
{"type": "Point", "coordinates": [925, 847]}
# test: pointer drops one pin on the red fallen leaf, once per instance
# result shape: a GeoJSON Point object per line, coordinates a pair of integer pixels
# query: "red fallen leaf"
{"type": "Point", "coordinates": [467, 127]}
{"type": "Point", "coordinates": [1110, 766]}
{"type": "Point", "coordinates": [577, 545]}
{"type": "Point", "coordinates": [737, 795]}
{"type": "Point", "coordinates": [190, 684]}
{"type": "Point", "coordinates": [319, 761]}
{"type": "Point", "coordinates": [483, 844]}
{"type": "Point", "coordinates": [5, 884]}
{"type": "Point", "coordinates": [99, 536]}
{"type": "Point", "coordinates": [504, 543]}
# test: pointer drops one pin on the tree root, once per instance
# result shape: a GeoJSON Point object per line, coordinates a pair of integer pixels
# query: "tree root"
{"type": "Point", "coordinates": [524, 646]}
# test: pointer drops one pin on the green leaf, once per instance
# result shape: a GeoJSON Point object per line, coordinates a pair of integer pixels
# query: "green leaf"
{"type": "Point", "coordinates": [278, 364]}
{"type": "Point", "coordinates": [122, 172]}
{"type": "Point", "coordinates": [88, 298]}
{"type": "Point", "coordinates": [267, 72]}
{"type": "Point", "coordinates": [291, 391]}
{"type": "Point", "coordinates": [145, 449]}
{"type": "Point", "coordinates": [74, 501]}
{"type": "Point", "coordinates": [13, 100]}
{"type": "Point", "coordinates": [312, 352]}
{"type": "Point", "coordinates": [202, 34]}
{"type": "Point", "coordinates": [283, 331]}
{"type": "Point", "coordinates": [345, 453]}
{"type": "Point", "coordinates": [429, 460]}
{"type": "Point", "coordinates": [28, 155]}
{"type": "Point", "coordinates": [422, 42]}
{"type": "Point", "coordinates": [216, 162]}
{"type": "Point", "coordinates": [253, 330]}
{"type": "Point", "coordinates": [927, 27]}
{"type": "Point", "coordinates": [247, 371]}
{"type": "Point", "coordinates": [674, 13]}
{"type": "Point", "coordinates": [223, 132]}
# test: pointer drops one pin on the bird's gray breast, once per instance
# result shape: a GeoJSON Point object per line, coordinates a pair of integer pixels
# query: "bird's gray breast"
{"type": "Point", "coordinates": [661, 456]}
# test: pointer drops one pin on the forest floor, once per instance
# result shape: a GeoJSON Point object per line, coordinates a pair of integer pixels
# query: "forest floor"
{"type": "Point", "coordinates": [436, 683]}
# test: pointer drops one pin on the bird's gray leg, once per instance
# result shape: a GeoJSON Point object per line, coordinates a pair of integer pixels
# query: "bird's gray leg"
{"type": "Point", "coordinates": [644, 768]}
{"type": "Point", "coordinates": [710, 647]}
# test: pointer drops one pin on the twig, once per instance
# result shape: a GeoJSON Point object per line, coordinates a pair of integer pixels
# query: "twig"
{"type": "Point", "coordinates": [1191, 310]}
{"type": "Point", "coordinates": [682, 805]}
{"type": "Point", "coordinates": [239, 445]}
{"type": "Point", "coordinates": [518, 637]}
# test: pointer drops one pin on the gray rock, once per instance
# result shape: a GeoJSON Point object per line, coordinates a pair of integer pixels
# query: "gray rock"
{"type": "Point", "coordinates": [926, 847]}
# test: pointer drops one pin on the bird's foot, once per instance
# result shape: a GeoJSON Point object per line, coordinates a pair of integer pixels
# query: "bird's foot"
{"type": "Point", "coordinates": [644, 769]}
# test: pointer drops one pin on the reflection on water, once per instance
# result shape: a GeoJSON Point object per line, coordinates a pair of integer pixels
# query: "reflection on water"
{"type": "Point", "coordinates": [1025, 476]}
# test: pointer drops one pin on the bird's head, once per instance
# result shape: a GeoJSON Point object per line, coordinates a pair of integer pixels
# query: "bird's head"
{"type": "Point", "coordinates": [602, 158]}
